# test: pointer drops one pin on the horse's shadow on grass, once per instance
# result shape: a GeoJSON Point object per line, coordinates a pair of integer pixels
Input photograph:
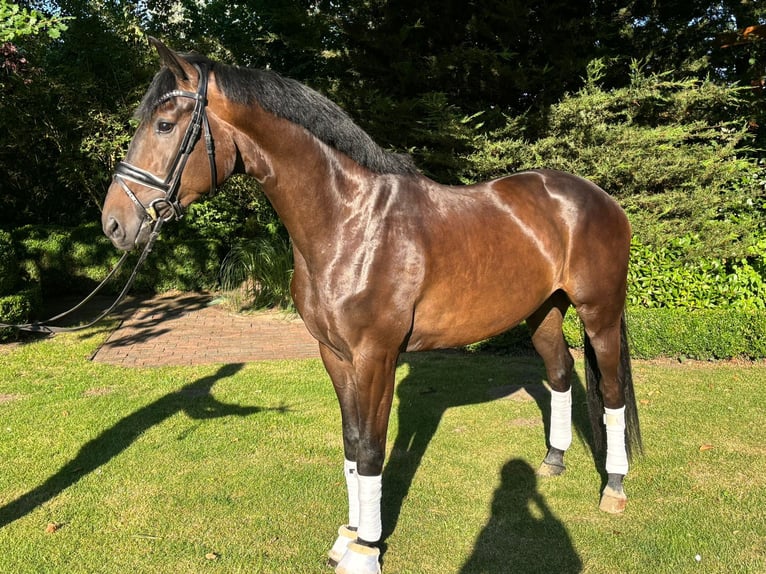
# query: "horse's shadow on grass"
{"type": "Point", "coordinates": [193, 399]}
{"type": "Point", "coordinates": [424, 396]}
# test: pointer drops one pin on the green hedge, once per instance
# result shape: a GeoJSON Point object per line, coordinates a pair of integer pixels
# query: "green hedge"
{"type": "Point", "coordinates": [183, 264]}
{"type": "Point", "coordinates": [668, 276]}
{"type": "Point", "coordinates": [695, 334]}
{"type": "Point", "coordinates": [16, 302]}
{"type": "Point", "coordinates": [698, 334]}
{"type": "Point", "coordinates": [676, 153]}
{"type": "Point", "coordinates": [9, 267]}
{"type": "Point", "coordinates": [47, 262]}
{"type": "Point", "coordinates": [18, 308]}
{"type": "Point", "coordinates": [64, 260]}
{"type": "Point", "coordinates": [74, 260]}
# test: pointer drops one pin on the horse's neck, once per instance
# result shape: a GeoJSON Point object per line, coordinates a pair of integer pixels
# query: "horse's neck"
{"type": "Point", "coordinates": [309, 184]}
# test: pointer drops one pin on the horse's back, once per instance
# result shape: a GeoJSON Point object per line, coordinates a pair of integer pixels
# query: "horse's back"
{"type": "Point", "coordinates": [598, 246]}
{"type": "Point", "coordinates": [586, 221]}
{"type": "Point", "coordinates": [570, 196]}
{"type": "Point", "coordinates": [496, 251]}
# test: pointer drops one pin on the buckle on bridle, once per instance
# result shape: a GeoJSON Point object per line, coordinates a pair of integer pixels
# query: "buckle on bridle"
{"type": "Point", "coordinates": [176, 210]}
{"type": "Point", "coordinates": [151, 212]}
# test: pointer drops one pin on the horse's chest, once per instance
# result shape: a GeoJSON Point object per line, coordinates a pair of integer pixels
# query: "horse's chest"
{"type": "Point", "coordinates": [319, 304]}
{"type": "Point", "coordinates": [343, 306]}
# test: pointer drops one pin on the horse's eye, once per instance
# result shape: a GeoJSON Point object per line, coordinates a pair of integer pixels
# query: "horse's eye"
{"type": "Point", "coordinates": [164, 127]}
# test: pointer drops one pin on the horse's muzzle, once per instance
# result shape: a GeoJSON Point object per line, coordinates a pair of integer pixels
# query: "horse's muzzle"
{"type": "Point", "coordinates": [124, 237]}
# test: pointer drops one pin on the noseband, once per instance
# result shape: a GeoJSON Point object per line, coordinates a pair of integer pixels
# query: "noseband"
{"type": "Point", "coordinates": [125, 172]}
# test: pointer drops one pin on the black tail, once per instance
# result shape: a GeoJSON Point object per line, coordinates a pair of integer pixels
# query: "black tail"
{"type": "Point", "coordinates": [596, 402]}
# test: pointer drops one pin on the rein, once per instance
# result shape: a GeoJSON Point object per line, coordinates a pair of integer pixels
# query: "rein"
{"type": "Point", "coordinates": [124, 173]}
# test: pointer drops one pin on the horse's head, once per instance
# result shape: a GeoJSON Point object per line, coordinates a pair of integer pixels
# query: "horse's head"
{"type": "Point", "coordinates": [171, 161]}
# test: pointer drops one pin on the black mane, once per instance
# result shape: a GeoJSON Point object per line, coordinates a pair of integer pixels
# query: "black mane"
{"type": "Point", "coordinates": [292, 101]}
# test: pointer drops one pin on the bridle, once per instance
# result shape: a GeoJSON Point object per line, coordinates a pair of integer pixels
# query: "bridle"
{"type": "Point", "coordinates": [126, 172]}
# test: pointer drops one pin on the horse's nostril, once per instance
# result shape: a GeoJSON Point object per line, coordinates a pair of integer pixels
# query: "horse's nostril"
{"type": "Point", "coordinates": [112, 228]}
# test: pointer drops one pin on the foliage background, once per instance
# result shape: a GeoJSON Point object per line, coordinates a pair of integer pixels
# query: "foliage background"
{"type": "Point", "coordinates": [661, 103]}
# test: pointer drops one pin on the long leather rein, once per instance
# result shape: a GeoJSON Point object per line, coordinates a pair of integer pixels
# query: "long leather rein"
{"type": "Point", "coordinates": [126, 173]}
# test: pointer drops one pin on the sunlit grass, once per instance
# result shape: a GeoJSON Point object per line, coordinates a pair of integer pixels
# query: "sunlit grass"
{"type": "Point", "coordinates": [236, 468]}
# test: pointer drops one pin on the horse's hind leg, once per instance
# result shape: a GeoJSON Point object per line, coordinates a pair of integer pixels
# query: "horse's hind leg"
{"type": "Point", "coordinates": [548, 340]}
{"type": "Point", "coordinates": [604, 347]}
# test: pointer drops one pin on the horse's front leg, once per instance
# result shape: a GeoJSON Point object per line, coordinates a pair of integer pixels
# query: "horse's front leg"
{"type": "Point", "coordinates": [365, 391]}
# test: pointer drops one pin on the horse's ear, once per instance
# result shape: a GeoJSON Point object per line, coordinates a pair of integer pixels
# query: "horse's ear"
{"type": "Point", "coordinates": [182, 69]}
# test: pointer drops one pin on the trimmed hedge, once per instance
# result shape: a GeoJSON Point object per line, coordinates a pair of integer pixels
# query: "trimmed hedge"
{"type": "Point", "coordinates": [183, 264]}
{"type": "Point", "coordinates": [668, 276]}
{"type": "Point", "coordinates": [64, 260]}
{"type": "Point", "coordinates": [48, 262]}
{"type": "Point", "coordinates": [74, 260]}
{"type": "Point", "coordinates": [696, 334]}
{"type": "Point", "coordinates": [18, 308]}
{"type": "Point", "coordinates": [14, 307]}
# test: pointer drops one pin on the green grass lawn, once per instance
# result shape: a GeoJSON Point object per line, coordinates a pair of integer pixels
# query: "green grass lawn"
{"type": "Point", "coordinates": [237, 468]}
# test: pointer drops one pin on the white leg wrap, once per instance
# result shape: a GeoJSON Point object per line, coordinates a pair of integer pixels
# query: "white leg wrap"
{"type": "Point", "coordinates": [616, 454]}
{"type": "Point", "coordinates": [561, 419]}
{"type": "Point", "coordinates": [352, 484]}
{"type": "Point", "coordinates": [370, 490]}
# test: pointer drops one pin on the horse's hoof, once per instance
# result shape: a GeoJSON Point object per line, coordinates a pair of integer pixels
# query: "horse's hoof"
{"type": "Point", "coordinates": [338, 550]}
{"type": "Point", "coordinates": [553, 463]}
{"type": "Point", "coordinates": [359, 559]}
{"type": "Point", "coordinates": [547, 470]}
{"type": "Point", "coordinates": [613, 501]}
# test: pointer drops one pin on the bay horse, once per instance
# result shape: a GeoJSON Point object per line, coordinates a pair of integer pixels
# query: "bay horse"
{"type": "Point", "coordinates": [387, 260]}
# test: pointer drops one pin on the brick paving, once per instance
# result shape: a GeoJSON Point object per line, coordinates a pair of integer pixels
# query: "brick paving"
{"type": "Point", "coordinates": [191, 329]}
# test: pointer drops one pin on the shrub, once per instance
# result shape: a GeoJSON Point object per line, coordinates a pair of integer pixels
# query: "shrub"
{"type": "Point", "coordinates": [74, 260]}
{"type": "Point", "coordinates": [260, 270]}
{"type": "Point", "coordinates": [186, 265]}
{"type": "Point", "coordinates": [240, 210]}
{"type": "Point", "coordinates": [9, 266]}
{"type": "Point", "coordinates": [673, 152]}
{"type": "Point", "coordinates": [17, 309]}
{"type": "Point", "coordinates": [697, 334]}
{"type": "Point", "coordinates": [667, 276]}
{"type": "Point", "coordinates": [65, 260]}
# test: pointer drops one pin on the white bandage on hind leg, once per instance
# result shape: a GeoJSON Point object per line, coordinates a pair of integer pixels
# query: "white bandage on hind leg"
{"type": "Point", "coordinates": [370, 491]}
{"type": "Point", "coordinates": [352, 485]}
{"type": "Point", "coordinates": [561, 419]}
{"type": "Point", "coordinates": [616, 453]}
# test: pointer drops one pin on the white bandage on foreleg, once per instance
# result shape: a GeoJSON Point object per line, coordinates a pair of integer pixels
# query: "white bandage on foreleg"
{"type": "Point", "coordinates": [561, 419]}
{"type": "Point", "coordinates": [352, 485]}
{"type": "Point", "coordinates": [370, 491]}
{"type": "Point", "coordinates": [616, 453]}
